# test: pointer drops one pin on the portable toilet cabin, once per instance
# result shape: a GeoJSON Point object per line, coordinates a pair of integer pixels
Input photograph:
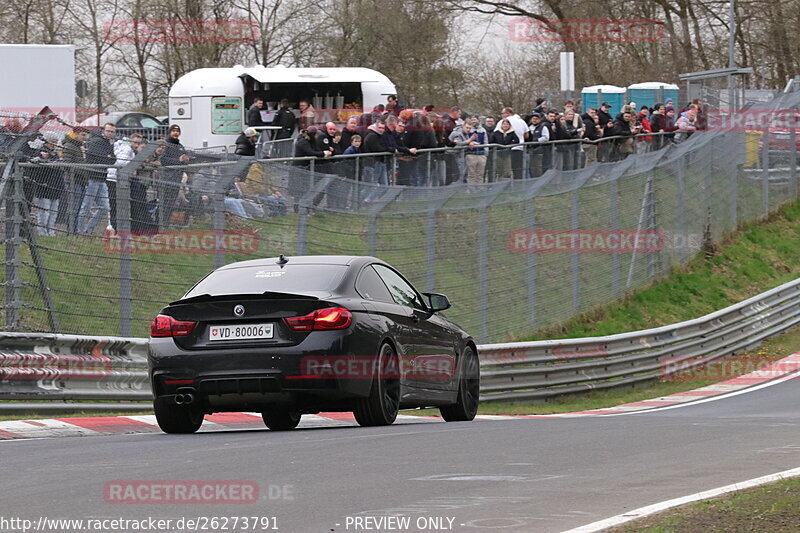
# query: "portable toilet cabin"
{"type": "Point", "coordinates": [210, 104]}
{"type": "Point", "coordinates": [652, 92]}
{"type": "Point", "coordinates": [595, 95]}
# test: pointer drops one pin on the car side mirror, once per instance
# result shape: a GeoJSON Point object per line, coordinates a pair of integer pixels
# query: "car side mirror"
{"type": "Point", "coordinates": [437, 302]}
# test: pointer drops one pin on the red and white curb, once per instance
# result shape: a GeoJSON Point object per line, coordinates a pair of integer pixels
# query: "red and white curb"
{"type": "Point", "coordinates": [116, 425]}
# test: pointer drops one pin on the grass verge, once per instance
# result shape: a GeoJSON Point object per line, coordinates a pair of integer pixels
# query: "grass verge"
{"type": "Point", "coordinates": [767, 509]}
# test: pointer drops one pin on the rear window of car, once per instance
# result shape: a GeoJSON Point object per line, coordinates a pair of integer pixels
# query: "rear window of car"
{"type": "Point", "coordinates": [273, 278]}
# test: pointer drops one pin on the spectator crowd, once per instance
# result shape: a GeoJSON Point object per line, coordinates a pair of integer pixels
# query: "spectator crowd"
{"type": "Point", "coordinates": [473, 149]}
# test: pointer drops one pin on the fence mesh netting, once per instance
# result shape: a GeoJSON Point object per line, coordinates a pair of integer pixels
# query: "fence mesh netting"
{"type": "Point", "coordinates": [512, 255]}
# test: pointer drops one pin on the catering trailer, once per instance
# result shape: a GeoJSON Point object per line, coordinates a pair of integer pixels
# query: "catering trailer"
{"type": "Point", "coordinates": [210, 104]}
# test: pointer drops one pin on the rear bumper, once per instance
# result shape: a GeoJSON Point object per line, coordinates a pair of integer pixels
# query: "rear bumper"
{"type": "Point", "coordinates": [225, 379]}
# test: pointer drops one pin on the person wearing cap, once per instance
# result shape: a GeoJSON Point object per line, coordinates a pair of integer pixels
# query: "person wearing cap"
{"type": "Point", "coordinates": [246, 142]}
{"type": "Point", "coordinates": [48, 181]}
{"type": "Point", "coordinates": [173, 157]}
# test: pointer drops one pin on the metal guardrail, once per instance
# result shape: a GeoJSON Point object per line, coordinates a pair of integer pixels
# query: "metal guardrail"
{"type": "Point", "coordinates": [545, 369]}
{"type": "Point", "coordinates": [72, 367]}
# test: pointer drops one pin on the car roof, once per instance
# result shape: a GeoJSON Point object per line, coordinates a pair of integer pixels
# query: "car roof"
{"type": "Point", "coordinates": [344, 260]}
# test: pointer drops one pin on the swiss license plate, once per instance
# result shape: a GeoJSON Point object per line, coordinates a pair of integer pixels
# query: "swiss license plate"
{"type": "Point", "coordinates": [240, 332]}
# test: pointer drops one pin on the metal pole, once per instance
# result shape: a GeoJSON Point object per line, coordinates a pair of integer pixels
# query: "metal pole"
{"type": "Point", "coordinates": [684, 237]}
{"type": "Point", "coordinates": [765, 172]}
{"type": "Point", "coordinates": [576, 260]}
{"type": "Point", "coordinates": [530, 216]}
{"type": "Point", "coordinates": [731, 52]}
{"type": "Point", "coordinates": [616, 267]}
{"type": "Point", "coordinates": [125, 267]}
{"type": "Point", "coordinates": [483, 273]}
{"type": "Point", "coordinates": [793, 158]}
{"type": "Point", "coordinates": [430, 246]}
{"type": "Point", "coordinates": [13, 233]}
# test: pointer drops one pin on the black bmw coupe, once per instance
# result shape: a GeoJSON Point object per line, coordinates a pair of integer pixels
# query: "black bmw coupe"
{"type": "Point", "coordinates": [298, 335]}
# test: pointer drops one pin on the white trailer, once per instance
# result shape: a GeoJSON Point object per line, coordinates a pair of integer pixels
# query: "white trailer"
{"type": "Point", "coordinates": [35, 76]}
{"type": "Point", "coordinates": [210, 104]}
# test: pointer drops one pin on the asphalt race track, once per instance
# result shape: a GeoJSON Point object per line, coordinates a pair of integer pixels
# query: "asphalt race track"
{"type": "Point", "coordinates": [523, 475]}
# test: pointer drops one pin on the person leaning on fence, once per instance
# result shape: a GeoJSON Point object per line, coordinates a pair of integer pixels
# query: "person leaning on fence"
{"type": "Point", "coordinates": [538, 132]}
{"type": "Point", "coordinates": [246, 142]}
{"type": "Point", "coordinates": [299, 179]}
{"type": "Point", "coordinates": [124, 150]}
{"type": "Point", "coordinates": [686, 124]}
{"type": "Point", "coordinates": [606, 122]}
{"type": "Point", "coordinates": [623, 146]}
{"type": "Point", "coordinates": [520, 128]}
{"type": "Point", "coordinates": [593, 132]}
{"type": "Point", "coordinates": [476, 152]}
{"type": "Point", "coordinates": [375, 167]}
{"type": "Point", "coordinates": [657, 122]}
{"type": "Point", "coordinates": [171, 175]}
{"type": "Point", "coordinates": [99, 151]}
{"type": "Point", "coordinates": [507, 137]}
{"type": "Point", "coordinates": [75, 152]}
{"type": "Point", "coordinates": [49, 185]}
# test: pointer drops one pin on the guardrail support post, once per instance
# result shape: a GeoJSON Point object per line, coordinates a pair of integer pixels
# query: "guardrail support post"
{"type": "Point", "coordinates": [483, 273]}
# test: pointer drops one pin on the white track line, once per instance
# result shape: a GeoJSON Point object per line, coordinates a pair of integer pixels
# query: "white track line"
{"type": "Point", "coordinates": [659, 507]}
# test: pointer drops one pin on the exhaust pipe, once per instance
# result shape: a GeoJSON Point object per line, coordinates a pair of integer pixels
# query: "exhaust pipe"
{"type": "Point", "coordinates": [188, 398]}
{"type": "Point", "coordinates": [180, 399]}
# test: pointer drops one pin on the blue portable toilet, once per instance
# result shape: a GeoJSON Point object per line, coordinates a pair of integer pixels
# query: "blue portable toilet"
{"type": "Point", "coordinates": [652, 92]}
{"type": "Point", "coordinates": [595, 95]}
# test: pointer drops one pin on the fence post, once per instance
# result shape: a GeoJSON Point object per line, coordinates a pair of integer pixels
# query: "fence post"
{"type": "Point", "coordinates": [13, 239]}
{"type": "Point", "coordinates": [733, 169]}
{"type": "Point", "coordinates": [793, 155]}
{"type": "Point", "coordinates": [483, 272]}
{"type": "Point", "coordinates": [616, 267]}
{"type": "Point", "coordinates": [765, 172]}
{"type": "Point", "coordinates": [125, 267]}
{"type": "Point", "coordinates": [576, 264]}
{"type": "Point", "coordinates": [530, 217]}
{"type": "Point", "coordinates": [681, 201]}
{"type": "Point", "coordinates": [219, 220]}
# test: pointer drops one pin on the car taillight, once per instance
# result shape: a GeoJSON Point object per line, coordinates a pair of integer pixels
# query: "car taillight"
{"type": "Point", "coordinates": [330, 318]}
{"type": "Point", "coordinates": [166, 326]}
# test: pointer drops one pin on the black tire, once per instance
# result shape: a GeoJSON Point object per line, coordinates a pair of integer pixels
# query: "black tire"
{"type": "Point", "coordinates": [173, 418]}
{"type": "Point", "coordinates": [381, 406]}
{"type": "Point", "coordinates": [281, 418]}
{"type": "Point", "coordinates": [469, 390]}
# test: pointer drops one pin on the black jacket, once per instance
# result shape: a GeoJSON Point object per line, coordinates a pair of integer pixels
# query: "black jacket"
{"type": "Point", "coordinates": [254, 116]}
{"type": "Point", "coordinates": [244, 146]}
{"type": "Point", "coordinates": [305, 148]}
{"type": "Point", "coordinates": [100, 151]}
{"type": "Point", "coordinates": [505, 139]}
{"type": "Point", "coordinates": [285, 119]}
{"type": "Point", "coordinates": [591, 127]}
{"type": "Point", "coordinates": [621, 127]}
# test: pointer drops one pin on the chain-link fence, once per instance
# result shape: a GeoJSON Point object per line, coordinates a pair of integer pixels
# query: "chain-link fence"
{"type": "Point", "coordinates": [94, 249]}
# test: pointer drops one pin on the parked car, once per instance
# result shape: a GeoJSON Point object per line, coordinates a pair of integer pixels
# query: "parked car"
{"type": "Point", "coordinates": [127, 123]}
{"type": "Point", "coordinates": [289, 336]}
